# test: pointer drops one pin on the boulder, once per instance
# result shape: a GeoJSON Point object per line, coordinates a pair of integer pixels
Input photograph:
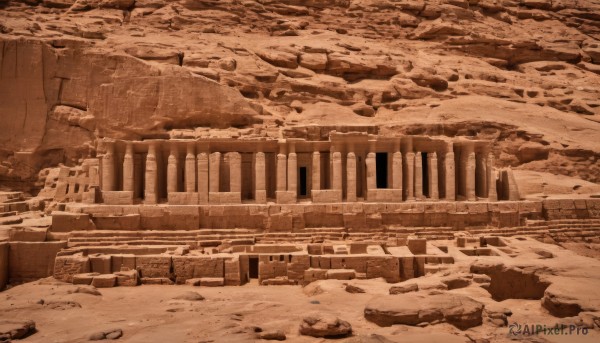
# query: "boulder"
{"type": "Point", "coordinates": [272, 335]}
{"type": "Point", "coordinates": [354, 289]}
{"type": "Point", "coordinates": [404, 288]}
{"type": "Point", "coordinates": [324, 325]}
{"type": "Point", "coordinates": [107, 334]}
{"type": "Point", "coordinates": [415, 309]}
{"type": "Point", "coordinates": [16, 329]}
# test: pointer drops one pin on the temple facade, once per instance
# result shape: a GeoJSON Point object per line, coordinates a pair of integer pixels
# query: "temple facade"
{"type": "Point", "coordinates": [348, 167]}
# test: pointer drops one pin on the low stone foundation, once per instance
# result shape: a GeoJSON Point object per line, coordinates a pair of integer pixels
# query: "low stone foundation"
{"type": "Point", "coordinates": [360, 216]}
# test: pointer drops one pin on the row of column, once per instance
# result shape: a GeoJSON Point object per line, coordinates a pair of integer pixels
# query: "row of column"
{"type": "Point", "coordinates": [202, 174]}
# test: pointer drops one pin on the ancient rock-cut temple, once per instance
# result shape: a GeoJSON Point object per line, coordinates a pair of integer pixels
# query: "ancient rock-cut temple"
{"type": "Point", "coordinates": [346, 168]}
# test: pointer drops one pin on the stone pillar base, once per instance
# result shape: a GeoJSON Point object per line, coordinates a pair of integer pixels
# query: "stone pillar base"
{"type": "Point", "coordinates": [225, 197]}
{"type": "Point", "coordinates": [326, 195]}
{"type": "Point", "coordinates": [117, 197]}
{"type": "Point", "coordinates": [384, 195]}
{"type": "Point", "coordinates": [150, 198]}
{"type": "Point", "coordinates": [285, 197]}
{"type": "Point", "coordinates": [261, 197]}
{"type": "Point", "coordinates": [183, 198]}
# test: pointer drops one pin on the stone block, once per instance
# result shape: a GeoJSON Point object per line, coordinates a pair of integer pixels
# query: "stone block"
{"type": "Point", "coordinates": [66, 267]}
{"type": "Point", "coordinates": [129, 222]}
{"type": "Point", "coordinates": [183, 198]}
{"type": "Point", "coordinates": [67, 222]}
{"type": "Point", "coordinates": [104, 281]}
{"type": "Point", "coordinates": [384, 195]}
{"type": "Point", "coordinates": [341, 274]}
{"type": "Point", "coordinates": [153, 218]}
{"type": "Point", "coordinates": [285, 197]}
{"type": "Point", "coordinates": [281, 222]}
{"type": "Point", "coordinates": [183, 217]}
{"type": "Point", "coordinates": [84, 278]}
{"type": "Point", "coordinates": [101, 264]}
{"type": "Point", "coordinates": [326, 196]}
{"type": "Point", "coordinates": [212, 281]}
{"type": "Point", "coordinates": [26, 234]}
{"type": "Point", "coordinates": [117, 197]}
{"type": "Point", "coordinates": [417, 246]}
{"type": "Point", "coordinates": [153, 266]}
{"type": "Point", "coordinates": [127, 278]}
{"type": "Point", "coordinates": [312, 274]}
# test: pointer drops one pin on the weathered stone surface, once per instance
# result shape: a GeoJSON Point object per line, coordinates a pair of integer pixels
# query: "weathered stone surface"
{"type": "Point", "coordinates": [324, 325]}
{"type": "Point", "coordinates": [414, 308]}
{"type": "Point", "coordinates": [14, 329]}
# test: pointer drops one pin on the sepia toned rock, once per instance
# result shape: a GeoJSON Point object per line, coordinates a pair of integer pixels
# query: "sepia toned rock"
{"type": "Point", "coordinates": [398, 164]}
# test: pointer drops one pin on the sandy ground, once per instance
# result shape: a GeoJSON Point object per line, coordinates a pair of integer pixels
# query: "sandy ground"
{"type": "Point", "coordinates": [148, 313]}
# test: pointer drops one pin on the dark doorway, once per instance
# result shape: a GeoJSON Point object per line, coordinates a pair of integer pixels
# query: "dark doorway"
{"type": "Point", "coordinates": [302, 184]}
{"type": "Point", "coordinates": [253, 267]}
{"type": "Point", "coordinates": [381, 167]}
{"type": "Point", "coordinates": [425, 174]}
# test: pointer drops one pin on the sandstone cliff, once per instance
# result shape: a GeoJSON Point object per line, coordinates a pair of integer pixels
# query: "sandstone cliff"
{"type": "Point", "coordinates": [522, 72]}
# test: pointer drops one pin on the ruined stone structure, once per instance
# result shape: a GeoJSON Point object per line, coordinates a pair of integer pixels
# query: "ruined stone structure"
{"type": "Point", "coordinates": [348, 167]}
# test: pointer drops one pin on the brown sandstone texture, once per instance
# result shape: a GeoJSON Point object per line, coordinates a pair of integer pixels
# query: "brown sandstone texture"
{"type": "Point", "coordinates": [523, 74]}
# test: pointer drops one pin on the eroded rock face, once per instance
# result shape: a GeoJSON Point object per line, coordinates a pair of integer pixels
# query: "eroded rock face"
{"type": "Point", "coordinates": [414, 309]}
{"type": "Point", "coordinates": [75, 71]}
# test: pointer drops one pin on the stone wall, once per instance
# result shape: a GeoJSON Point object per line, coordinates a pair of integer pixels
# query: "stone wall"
{"type": "Point", "coordinates": [360, 216]}
{"type": "Point", "coordinates": [3, 265]}
{"type": "Point", "coordinates": [28, 261]}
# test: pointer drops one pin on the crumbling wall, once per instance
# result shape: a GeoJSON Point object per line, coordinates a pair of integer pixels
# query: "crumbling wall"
{"type": "Point", "coordinates": [28, 261]}
{"type": "Point", "coordinates": [3, 265]}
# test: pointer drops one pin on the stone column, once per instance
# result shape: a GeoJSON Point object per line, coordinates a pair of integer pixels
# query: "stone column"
{"type": "Point", "coordinates": [316, 170]}
{"type": "Point", "coordinates": [511, 183]}
{"type": "Point", "coordinates": [214, 170]}
{"type": "Point", "coordinates": [235, 172]}
{"type": "Point", "coordinates": [351, 177]}
{"type": "Point", "coordinates": [203, 178]}
{"type": "Point", "coordinates": [481, 175]}
{"type": "Point", "coordinates": [281, 172]}
{"type": "Point", "coordinates": [410, 176]}
{"type": "Point", "coordinates": [450, 173]}
{"type": "Point", "coordinates": [418, 175]}
{"type": "Point", "coordinates": [491, 178]}
{"type": "Point", "coordinates": [108, 168]}
{"type": "Point", "coordinates": [432, 169]}
{"type": "Point", "coordinates": [337, 171]}
{"type": "Point", "coordinates": [371, 171]}
{"type": "Point", "coordinates": [190, 169]}
{"type": "Point", "coordinates": [292, 172]}
{"type": "Point", "coordinates": [397, 170]}
{"type": "Point", "coordinates": [260, 193]}
{"type": "Point", "coordinates": [138, 170]}
{"type": "Point", "coordinates": [470, 177]}
{"type": "Point", "coordinates": [172, 170]}
{"type": "Point", "coordinates": [151, 181]}
{"type": "Point", "coordinates": [128, 169]}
